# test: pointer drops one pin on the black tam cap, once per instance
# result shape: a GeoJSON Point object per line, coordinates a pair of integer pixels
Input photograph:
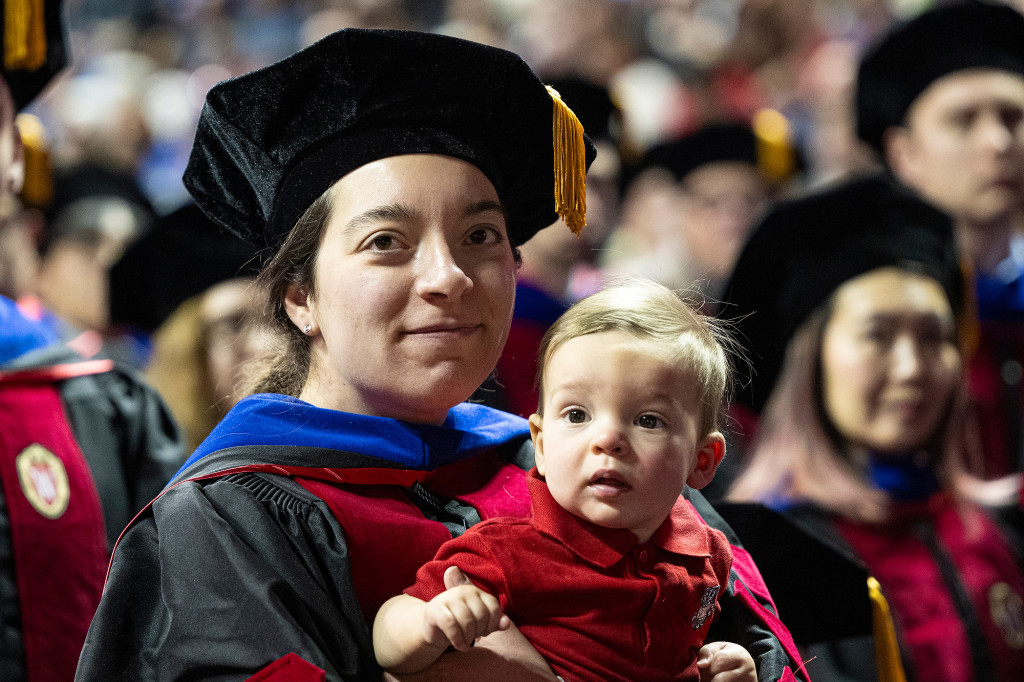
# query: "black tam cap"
{"type": "Point", "coordinates": [938, 42]}
{"type": "Point", "coordinates": [717, 142]}
{"type": "Point", "coordinates": [33, 47]}
{"type": "Point", "coordinates": [272, 141]}
{"type": "Point", "coordinates": [765, 144]}
{"type": "Point", "coordinates": [805, 249]}
{"type": "Point", "coordinates": [182, 256]}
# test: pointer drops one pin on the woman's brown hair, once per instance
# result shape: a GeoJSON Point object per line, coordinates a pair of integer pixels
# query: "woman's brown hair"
{"type": "Point", "coordinates": [285, 368]}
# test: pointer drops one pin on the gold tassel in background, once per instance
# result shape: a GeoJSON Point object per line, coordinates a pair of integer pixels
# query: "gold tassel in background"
{"type": "Point", "coordinates": [887, 649]}
{"type": "Point", "coordinates": [570, 165]}
{"type": "Point", "coordinates": [24, 34]}
{"type": "Point", "coordinates": [37, 190]}
{"type": "Point", "coordinates": [775, 154]}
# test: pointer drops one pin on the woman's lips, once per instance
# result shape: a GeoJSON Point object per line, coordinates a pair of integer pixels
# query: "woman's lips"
{"type": "Point", "coordinates": [445, 331]}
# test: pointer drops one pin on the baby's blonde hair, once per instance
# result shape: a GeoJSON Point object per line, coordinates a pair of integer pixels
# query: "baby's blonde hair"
{"type": "Point", "coordinates": [651, 312]}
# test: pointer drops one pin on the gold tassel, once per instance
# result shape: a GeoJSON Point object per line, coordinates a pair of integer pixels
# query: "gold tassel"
{"type": "Point", "coordinates": [775, 155]}
{"type": "Point", "coordinates": [37, 190]}
{"type": "Point", "coordinates": [969, 322]}
{"type": "Point", "coordinates": [570, 165]}
{"type": "Point", "coordinates": [24, 34]}
{"type": "Point", "coordinates": [887, 649]}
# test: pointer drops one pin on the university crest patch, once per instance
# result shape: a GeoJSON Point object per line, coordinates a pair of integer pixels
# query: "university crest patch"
{"type": "Point", "coordinates": [707, 607]}
{"type": "Point", "coordinates": [43, 480]}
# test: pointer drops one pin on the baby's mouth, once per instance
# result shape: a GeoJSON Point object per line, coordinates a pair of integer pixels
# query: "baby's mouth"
{"type": "Point", "coordinates": [608, 482]}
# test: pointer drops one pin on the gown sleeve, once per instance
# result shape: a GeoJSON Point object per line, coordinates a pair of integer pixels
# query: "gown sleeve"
{"type": "Point", "coordinates": [222, 579]}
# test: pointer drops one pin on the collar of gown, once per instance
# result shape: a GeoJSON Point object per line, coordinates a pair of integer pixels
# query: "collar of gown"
{"type": "Point", "coordinates": [268, 419]}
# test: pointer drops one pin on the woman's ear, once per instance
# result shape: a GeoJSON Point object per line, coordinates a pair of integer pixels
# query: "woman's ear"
{"type": "Point", "coordinates": [537, 434]}
{"type": "Point", "coordinates": [710, 455]}
{"type": "Point", "coordinates": [898, 150]}
{"type": "Point", "coordinates": [298, 307]}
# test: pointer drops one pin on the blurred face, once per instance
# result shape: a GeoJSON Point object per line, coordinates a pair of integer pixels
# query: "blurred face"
{"type": "Point", "coordinates": [415, 282]}
{"type": "Point", "coordinates": [233, 337]}
{"type": "Point", "coordinates": [619, 436]}
{"type": "Point", "coordinates": [890, 363]}
{"type": "Point", "coordinates": [17, 253]}
{"type": "Point", "coordinates": [11, 159]}
{"type": "Point", "coordinates": [720, 202]}
{"type": "Point", "coordinates": [963, 145]}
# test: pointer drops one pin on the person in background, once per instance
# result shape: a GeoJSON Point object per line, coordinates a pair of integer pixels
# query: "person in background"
{"type": "Point", "coordinates": [391, 175]}
{"type": "Point", "coordinates": [697, 199]}
{"type": "Point", "coordinates": [186, 289]}
{"type": "Point", "coordinates": [633, 382]}
{"type": "Point", "coordinates": [949, 123]}
{"type": "Point", "coordinates": [849, 302]}
{"type": "Point", "coordinates": [83, 445]}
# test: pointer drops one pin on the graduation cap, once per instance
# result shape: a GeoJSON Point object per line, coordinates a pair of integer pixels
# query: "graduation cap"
{"type": "Point", "coordinates": [717, 142]}
{"type": "Point", "coordinates": [765, 144]}
{"type": "Point", "coordinates": [272, 141]}
{"type": "Point", "coordinates": [182, 256]}
{"type": "Point", "coordinates": [804, 249]}
{"type": "Point", "coordinates": [912, 56]}
{"type": "Point", "coordinates": [33, 47]}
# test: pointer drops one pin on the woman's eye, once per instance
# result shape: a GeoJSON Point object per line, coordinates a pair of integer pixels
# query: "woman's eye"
{"type": "Point", "coordinates": [575, 416]}
{"type": "Point", "coordinates": [484, 235]}
{"type": "Point", "coordinates": [648, 421]}
{"type": "Point", "coordinates": [879, 336]}
{"type": "Point", "coordinates": [382, 242]}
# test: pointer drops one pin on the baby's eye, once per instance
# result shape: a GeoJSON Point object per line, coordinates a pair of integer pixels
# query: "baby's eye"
{"type": "Point", "coordinates": [648, 421]}
{"type": "Point", "coordinates": [575, 416]}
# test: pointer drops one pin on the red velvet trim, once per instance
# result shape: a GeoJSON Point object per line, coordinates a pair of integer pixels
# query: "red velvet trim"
{"type": "Point", "coordinates": [53, 373]}
{"type": "Point", "coordinates": [290, 668]}
{"type": "Point", "coordinates": [355, 476]}
{"type": "Point", "coordinates": [58, 562]}
{"type": "Point", "coordinates": [491, 486]}
{"type": "Point", "coordinates": [377, 520]}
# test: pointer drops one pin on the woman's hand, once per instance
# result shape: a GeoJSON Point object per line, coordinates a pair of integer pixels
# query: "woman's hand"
{"type": "Point", "coordinates": [725, 662]}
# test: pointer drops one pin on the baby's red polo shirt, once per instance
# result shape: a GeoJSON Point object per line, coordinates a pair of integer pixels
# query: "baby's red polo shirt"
{"type": "Point", "coordinates": [597, 604]}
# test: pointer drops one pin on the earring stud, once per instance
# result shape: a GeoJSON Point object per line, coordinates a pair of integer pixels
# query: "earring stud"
{"type": "Point", "coordinates": [308, 328]}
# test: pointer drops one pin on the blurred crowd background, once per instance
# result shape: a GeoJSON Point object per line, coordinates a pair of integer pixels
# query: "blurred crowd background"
{"type": "Point", "coordinates": [109, 140]}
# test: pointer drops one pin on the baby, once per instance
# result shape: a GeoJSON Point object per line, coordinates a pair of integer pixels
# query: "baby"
{"type": "Point", "coordinates": [614, 577]}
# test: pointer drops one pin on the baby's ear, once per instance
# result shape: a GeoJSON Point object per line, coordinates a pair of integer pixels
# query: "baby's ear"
{"type": "Point", "coordinates": [710, 455]}
{"type": "Point", "coordinates": [537, 434]}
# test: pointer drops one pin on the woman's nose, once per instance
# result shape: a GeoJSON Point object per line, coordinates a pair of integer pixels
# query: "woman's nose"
{"type": "Point", "coordinates": [907, 359]}
{"type": "Point", "coordinates": [998, 134]}
{"type": "Point", "coordinates": [438, 271]}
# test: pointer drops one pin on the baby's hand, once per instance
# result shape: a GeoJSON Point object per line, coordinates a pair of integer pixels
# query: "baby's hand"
{"type": "Point", "coordinates": [725, 662]}
{"type": "Point", "coordinates": [461, 614]}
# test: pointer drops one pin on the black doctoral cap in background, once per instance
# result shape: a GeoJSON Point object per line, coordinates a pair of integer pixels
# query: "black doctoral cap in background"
{"type": "Point", "coordinates": [805, 249]}
{"type": "Point", "coordinates": [33, 47]}
{"type": "Point", "coordinates": [714, 142]}
{"type": "Point", "coordinates": [938, 42]}
{"type": "Point", "coordinates": [181, 256]}
{"type": "Point", "coordinates": [272, 141]}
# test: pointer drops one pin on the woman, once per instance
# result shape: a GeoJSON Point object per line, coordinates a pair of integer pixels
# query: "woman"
{"type": "Point", "coordinates": [853, 297]}
{"type": "Point", "coordinates": [391, 174]}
